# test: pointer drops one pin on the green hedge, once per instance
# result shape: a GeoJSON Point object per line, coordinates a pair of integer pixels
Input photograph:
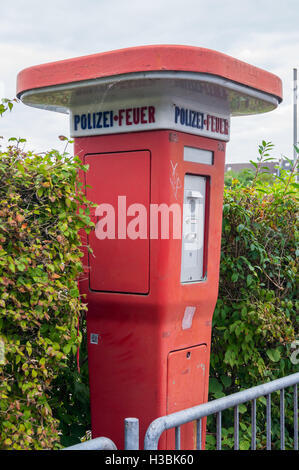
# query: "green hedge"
{"type": "Point", "coordinates": [40, 306]}
{"type": "Point", "coordinates": [255, 323]}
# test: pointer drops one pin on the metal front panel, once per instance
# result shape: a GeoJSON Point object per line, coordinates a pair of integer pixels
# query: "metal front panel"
{"type": "Point", "coordinates": [120, 259]}
{"type": "Point", "coordinates": [195, 155]}
{"type": "Point", "coordinates": [193, 228]}
{"type": "Point", "coordinates": [186, 371]}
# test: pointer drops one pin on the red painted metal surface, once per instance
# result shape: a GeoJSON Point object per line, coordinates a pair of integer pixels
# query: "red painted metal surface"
{"type": "Point", "coordinates": [148, 59]}
{"type": "Point", "coordinates": [119, 264]}
{"type": "Point", "coordinates": [133, 364]}
{"type": "Point", "coordinates": [138, 341]}
{"type": "Point", "coordinates": [186, 379]}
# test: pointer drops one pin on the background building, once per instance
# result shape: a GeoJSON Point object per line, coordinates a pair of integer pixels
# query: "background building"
{"type": "Point", "coordinates": [272, 165]}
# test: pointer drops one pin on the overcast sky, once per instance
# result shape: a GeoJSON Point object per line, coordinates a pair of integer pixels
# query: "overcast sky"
{"type": "Point", "coordinates": [263, 33]}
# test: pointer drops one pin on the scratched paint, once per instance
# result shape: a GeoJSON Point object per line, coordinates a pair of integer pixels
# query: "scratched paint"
{"type": "Point", "coordinates": [188, 317]}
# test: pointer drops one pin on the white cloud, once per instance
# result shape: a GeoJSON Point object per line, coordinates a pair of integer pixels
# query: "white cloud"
{"type": "Point", "coordinates": [277, 53]}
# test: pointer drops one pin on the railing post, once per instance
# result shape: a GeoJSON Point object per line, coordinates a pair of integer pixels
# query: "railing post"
{"type": "Point", "coordinates": [268, 419]}
{"type": "Point", "coordinates": [198, 434]}
{"type": "Point", "coordinates": [131, 434]}
{"type": "Point", "coordinates": [236, 427]}
{"type": "Point", "coordinates": [282, 421]}
{"type": "Point", "coordinates": [178, 438]}
{"type": "Point", "coordinates": [218, 431]}
{"type": "Point", "coordinates": [253, 425]}
{"type": "Point", "coordinates": [295, 417]}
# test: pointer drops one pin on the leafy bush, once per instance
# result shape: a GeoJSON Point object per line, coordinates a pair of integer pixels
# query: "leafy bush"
{"type": "Point", "coordinates": [40, 306]}
{"type": "Point", "coordinates": [256, 317]}
{"type": "Point", "coordinates": [69, 396]}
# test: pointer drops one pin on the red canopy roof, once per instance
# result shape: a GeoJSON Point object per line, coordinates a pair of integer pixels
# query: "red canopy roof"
{"type": "Point", "coordinates": [148, 59]}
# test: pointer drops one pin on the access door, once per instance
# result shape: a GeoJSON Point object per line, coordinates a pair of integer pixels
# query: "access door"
{"type": "Point", "coordinates": [119, 183]}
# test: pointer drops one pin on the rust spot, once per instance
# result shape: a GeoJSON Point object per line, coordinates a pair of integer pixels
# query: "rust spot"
{"type": "Point", "coordinates": [173, 137]}
{"type": "Point", "coordinates": [186, 371]}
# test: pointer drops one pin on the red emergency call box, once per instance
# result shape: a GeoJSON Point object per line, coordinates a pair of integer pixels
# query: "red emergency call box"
{"type": "Point", "coordinates": [152, 123]}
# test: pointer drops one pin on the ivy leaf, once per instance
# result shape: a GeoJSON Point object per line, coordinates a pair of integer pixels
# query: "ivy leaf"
{"type": "Point", "coordinates": [244, 445]}
{"type": "Point", "coordinates": [215, 386]}
{"type": "Point", "coordinates": [226, 380]}
{"type": "Point", "coordinates": [273, 354]}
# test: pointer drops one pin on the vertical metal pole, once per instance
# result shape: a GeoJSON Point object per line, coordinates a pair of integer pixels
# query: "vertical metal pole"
{"type": "Point", "coordinates": [253, 424]}
{"type": "Point", "coordinates": [295, 417]}
{"type": "Point", "coordinates": [178, 438]}
{"type": "Point", "coordinates": [236, 428]}
{"type": "Point", "coordinates": [282, 420]}
{"type": "Point", "coordinates": [131, 434]}
{"type": "Point", "coordinates": [269, 422]}
{"type": "Point", "coordinates": [198, 434]}
{"type": "Point", "coordinates": [295, 124]}
{"type": "Point", "coordinates": [219, 430]}
{"type": "Point", "coordinates": [295, 114]}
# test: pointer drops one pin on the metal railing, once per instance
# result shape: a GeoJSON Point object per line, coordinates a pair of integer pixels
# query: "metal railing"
{"type": "Point", "coordinates": [197, 413]}
{"type": "Point", "coordinates": [104, 443]}
{"type": "Point", "coordinates": [99, 443]}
